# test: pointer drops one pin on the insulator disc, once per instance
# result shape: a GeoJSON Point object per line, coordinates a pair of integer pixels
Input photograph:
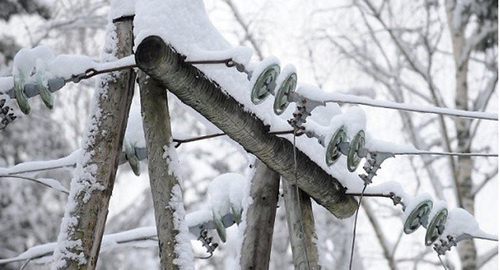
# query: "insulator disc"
{"type": "Point", "coordinates": [262, 87]}
{"type": "Point", "coordinates": [414, 220]}
{"type": "Point", "coordinates": [332, 150]}
{"type": "Point", "coordinates": [284, 90]}
{"type": "Point", "coordinates": [353, 158]}
{"type": "Point", "coordinates": [436, 226]}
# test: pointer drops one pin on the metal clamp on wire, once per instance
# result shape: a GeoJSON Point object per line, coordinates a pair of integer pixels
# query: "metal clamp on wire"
{"type": "Point", "coordinates": [6, 114]}
{"type": "Point", "coordinates": [206, 241]}
{"type": "Point", "coordinates": [396, 200]}
{"type": "Point", "coordinates": [446, 245]}
{"type": "Point", "coordinates": [373, 163]}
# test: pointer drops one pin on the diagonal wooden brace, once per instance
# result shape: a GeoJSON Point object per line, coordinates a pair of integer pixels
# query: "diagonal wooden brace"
{"type": "Point", "coordinates": [192, 87]}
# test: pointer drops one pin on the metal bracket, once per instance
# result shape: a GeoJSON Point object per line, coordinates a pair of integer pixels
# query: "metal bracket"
{"type": "Point", "coordinates": [302, 111]}
{"type": "Point", "coordinates": [397, 200]}
{"type": "Point", "coordinates": [6, 114]}
{"type": "Point", "coordinates": [373, 163]}
{"type": "Point", "coordinates": [206, 241]}
{"type": "Point", "coordinates": [445, 245]}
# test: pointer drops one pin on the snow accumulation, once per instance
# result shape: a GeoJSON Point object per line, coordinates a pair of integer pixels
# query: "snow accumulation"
{"type": "Point", "coordinates": [226, 192]}
{"type": "Point", "coordinates": [183, 248]}
{"type": "Point", "coordinates": [134, 134]}
{"type": "Point", "coordinates": [84, 180]}
{"type": "Point", "coordinates": [35, 166]}
{"type": "Point", "coordinates": [246, 201]}
{"type": "Point", "coordinates": [31, 65]}
{"type": "Point", "coordinates": [387, 187]}
{"type": "Point", "coordinates": [438, 205]}
{"type": "Point", "coordinates": [461, 222]}
{"type": "Point", "coordinates": [121, 8]}
{"type": "Point", "coordinates": [174, 166]}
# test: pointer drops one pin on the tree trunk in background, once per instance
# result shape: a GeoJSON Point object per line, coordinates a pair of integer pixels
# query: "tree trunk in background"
{"type": "Point", "coordinates": [463, 177]}
{"type": "Point", "coordinates": [85, 216]}
{"type": "Point", "coordinates": [156, 124]}
{"type": "Point", "coordinates": [300, 227]}
{"type": "Point", "coordinates": [258, 236]}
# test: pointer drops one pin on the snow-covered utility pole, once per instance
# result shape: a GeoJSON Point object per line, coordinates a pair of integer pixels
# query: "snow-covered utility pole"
{"type": "Point", "coordinates": [300, 219]}
{"type": "Point", "coordinates": [260, 217]}
{"type": "Point", "coordinates": [174, 246]}
{"type": "Point", "coordinates": [191, 86]}
{"type": "Point", "coordinates": [82, 227]}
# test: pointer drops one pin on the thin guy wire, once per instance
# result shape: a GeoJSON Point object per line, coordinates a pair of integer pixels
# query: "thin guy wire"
{"type": "Point", "coordinates": [355, 225]}
{"type": "Point", "coordinates": [441, 111]}
{"type": "Point", "coordinates": [442, 263]}
{"type": "Point", "coordinates": [39, 170]}
{"type": "Point", "coordinates": [299, 205]}
{"type": "Point", "coordinates": [431, 153]}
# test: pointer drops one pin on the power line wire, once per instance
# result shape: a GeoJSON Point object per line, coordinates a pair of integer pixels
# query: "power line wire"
{"type": "Point", "coordinates": [351, 99]}
{"type": "Point", "coordinates": [433, 153]}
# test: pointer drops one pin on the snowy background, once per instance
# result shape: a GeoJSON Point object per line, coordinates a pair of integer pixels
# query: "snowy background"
{"type": "Point", "coordinates": [330, 46]}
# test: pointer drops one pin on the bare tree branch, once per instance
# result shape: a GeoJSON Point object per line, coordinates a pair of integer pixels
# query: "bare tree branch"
{"type": "Point", "coordinates": [377, 227]}
{"type": "Point", "coordinates": [487, 177]}
{"type": "Point", "coordinates": [248, 34]}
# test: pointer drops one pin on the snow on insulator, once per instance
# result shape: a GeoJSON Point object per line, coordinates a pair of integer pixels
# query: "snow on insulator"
{"type": "Point", "coordinates": [134, 134]}
{"type": "Point", "coordinates": [462, 222]}
{"type": "Point", "coordinates": [226, 192]}
{"type": "Point", "coordinates": [416, 212]}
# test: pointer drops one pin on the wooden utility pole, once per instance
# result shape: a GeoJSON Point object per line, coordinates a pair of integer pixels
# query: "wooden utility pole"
{"type": "Point", "coordinates": [85, 216]}
{"type": "Point", "coordinates": [300, 221]}
{"type": "Point", "coordinates": [260, 216]}
{"type": "Point", "coordinates": [162, 178]}
{"type": "Point", "coordinates": [193, 88]}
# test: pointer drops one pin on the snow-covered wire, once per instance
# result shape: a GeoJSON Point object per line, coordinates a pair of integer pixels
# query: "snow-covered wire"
{"type": "Point", "coordinates": [38, 166]}
{"type": "Point", "coordinates": [7, 83]}
{"type": "Point", "coordinates": [44, 182]}
{"type": "Point", "coordinates": [433, 153]}
{"type": "Point", "coordinates": [350, 99]}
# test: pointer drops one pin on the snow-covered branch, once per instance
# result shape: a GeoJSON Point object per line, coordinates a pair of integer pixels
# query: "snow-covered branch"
{"type": "Point", "coordinates": [50, 183]}
{"type": "Point", "coordinates": [381, 237]}
{"type": "Point", "coordinates": [486, 179]}
{"type": "Point", "coordinates": [139, 237]}
{"type": "Point", "coordinates": [248, 34]}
